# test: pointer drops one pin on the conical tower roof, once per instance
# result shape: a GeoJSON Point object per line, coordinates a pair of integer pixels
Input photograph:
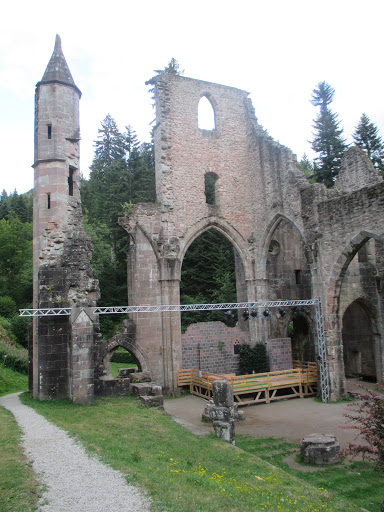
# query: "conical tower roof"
{"type": "Point", "coordinates": [57, 69]}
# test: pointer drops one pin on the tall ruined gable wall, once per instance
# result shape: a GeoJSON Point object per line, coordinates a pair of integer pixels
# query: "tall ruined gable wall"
{"type": "Point", "coordinates": [276, 180]}
{"type": "Point", "coordinates": [257, 177]}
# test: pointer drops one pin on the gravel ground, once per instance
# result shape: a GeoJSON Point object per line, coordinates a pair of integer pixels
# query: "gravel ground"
{"type": "Point", "coordinates": [74, 481]}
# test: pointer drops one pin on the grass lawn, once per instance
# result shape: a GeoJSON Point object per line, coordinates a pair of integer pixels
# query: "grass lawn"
{"type": "Point", "coordinates": [357, 482]}
{"type": "Point", "coordinates": [115, 367]}
{"type": "Point", "coordinates": [18, 487]}
{"type": "Point", "coordinates": [180, 471]}
{"type": "Point", "coordinates": [19, 490]}
{"type": "Point", "coordinates": [12, 382]}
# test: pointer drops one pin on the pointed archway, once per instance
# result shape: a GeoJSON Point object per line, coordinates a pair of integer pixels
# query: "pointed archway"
{"type": "Point", "coordinates": [358, 342]}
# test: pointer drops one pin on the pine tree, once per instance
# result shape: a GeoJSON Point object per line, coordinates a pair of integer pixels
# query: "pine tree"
{"type": "Point", "coordinates": [328, 138]}
{"type": "Point", "coordinates": [122, 172]}
{"type": "Point", "coordinates": [366, 136]}
{"type": "Point", "coordinates": [208, 276]}
{"type": "Point", "coordinates": [173, 68]}
{"type": "Point", "coordinates": [110, 145]}
{"type": "Point", "coordinates": [306, 167]}
{"type": "Point", "coordinates": [4, 205]}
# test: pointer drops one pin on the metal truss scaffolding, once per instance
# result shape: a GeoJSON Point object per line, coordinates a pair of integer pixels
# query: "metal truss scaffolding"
{"type": "Point", "coordinates": [265, 304]}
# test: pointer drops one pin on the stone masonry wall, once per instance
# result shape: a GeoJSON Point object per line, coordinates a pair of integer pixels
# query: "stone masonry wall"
{"type": "Point", "coordinates": [210, 346]}
{"type": "Point", "coordinates": [279, 354]}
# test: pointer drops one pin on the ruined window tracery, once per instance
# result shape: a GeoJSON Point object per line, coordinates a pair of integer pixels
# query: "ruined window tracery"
{"type": "Point", "coordinates": [274, 247]}
{"type": "Point", "coordinates": [206, 114]}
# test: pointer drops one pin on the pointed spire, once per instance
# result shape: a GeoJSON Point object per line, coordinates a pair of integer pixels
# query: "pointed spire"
{"type": "Point", "coordinates": [57, 69]}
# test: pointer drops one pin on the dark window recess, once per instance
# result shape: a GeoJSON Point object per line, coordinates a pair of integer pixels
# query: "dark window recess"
{"type": "Point", "coordinates": [49, 201]}
{"type": "Point", "coordinates": [49, 131]}
{"type": "Point", "coordinates": [362, 255]}
{"type": "Point", "coordinates": [299, 276]}
{"type": "Point", "coordinates": [210, 179]}
{"type": "Point", "coordinates": [70, 181]}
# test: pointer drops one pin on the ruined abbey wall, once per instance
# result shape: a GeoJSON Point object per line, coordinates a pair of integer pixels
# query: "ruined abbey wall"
{"type": "Point", "coordinates": [292, 240]}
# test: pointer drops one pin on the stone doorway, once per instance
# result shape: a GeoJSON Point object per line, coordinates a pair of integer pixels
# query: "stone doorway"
{"type": "Point", "coordinates": [358, 342]}
{"type": "Point", "coordinates": [303, 347]}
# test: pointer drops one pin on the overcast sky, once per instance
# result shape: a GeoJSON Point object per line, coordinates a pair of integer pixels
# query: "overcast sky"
{"type": "Point", "coordinates": [278, 50]}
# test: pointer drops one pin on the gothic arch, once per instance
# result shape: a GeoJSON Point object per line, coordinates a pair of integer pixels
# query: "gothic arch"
{"type": "Point", "coordinates": [334, 317]}
{"type": "Point", "coordinates": [359, 335]}
{"type": "Point", "coordinates": [129, 344]}
{"type": "Point", "coordinates": [267, 237]}
{"type": "Point", "coordinates": [206, 99]}
{"type": "Point", "coordinates": [147, 236]}
{"type": "Point", "coordinates": [226, 230]}
{"type": "Point", "coordinates": [339, 269]}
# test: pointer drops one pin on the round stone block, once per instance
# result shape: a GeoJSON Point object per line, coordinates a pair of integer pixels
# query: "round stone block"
{"type": "Point", "coordinates": [320, 449]}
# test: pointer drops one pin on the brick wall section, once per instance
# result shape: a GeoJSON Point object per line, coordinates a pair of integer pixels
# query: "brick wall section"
{"type": "Point", "coordinates": [279, 354]}
{"type": "Point", "coordinates": [209, 346]}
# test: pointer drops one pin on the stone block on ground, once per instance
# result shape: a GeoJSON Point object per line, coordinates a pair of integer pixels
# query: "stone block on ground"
{"type": "Point", "coordinates": [125, 372]}
{"type": "Point", "coordinates": [320, 449]}
{"type": "Point", "coordinates": [141, 389]}
{"type": "Point", "coordinates": [225, 430]}
{"type": "Point", "coordinates": [152, 401]}
{"type": "Point", "coordinates": [140, 377]}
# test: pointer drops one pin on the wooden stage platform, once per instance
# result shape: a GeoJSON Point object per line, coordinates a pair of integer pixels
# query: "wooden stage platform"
{"type": "Point", "coordinates": [299, 382]}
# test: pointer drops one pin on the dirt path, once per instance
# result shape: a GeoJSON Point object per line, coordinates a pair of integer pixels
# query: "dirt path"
{"type": "Point", "coordinates": [290, 419]}
{"type": "Point", "coordinates": [74, 480]}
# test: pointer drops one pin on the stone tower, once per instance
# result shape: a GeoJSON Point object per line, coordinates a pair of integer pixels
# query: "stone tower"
{"type": "Point", "coordinates": [61, 249]}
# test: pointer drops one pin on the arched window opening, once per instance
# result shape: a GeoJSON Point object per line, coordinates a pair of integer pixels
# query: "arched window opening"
{"type": "Point", "coordinates": [206, 115]}
{"type": "Point", "coordinates": [358, 343]}
{"type": "Point", "coordinates": [210, 181]}
{"type": "Point", "coordinates": [208, 276]}
{"type": "Point", "coordinates": [118, 360]}
{"type": "Point", "coordinates": [286, 263]}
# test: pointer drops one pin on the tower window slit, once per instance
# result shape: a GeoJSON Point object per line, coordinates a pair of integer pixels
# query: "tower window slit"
{"type": "Point", "coordinates": [70, 181]}
{"type": "Point", "coordinates": [48, 201]}
{"type": "Point", "coordinates": [49, 128]}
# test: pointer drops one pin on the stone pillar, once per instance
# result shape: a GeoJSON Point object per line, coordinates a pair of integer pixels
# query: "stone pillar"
{"type": "Point", "coordinates": [223, 411]}
{"type": "Point", "coordinates": [81, 357]}
{"type": "Point", "coordinates": [171, 328]}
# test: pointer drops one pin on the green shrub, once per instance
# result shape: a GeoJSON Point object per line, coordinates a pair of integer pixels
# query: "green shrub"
{"type": "Point", "coordinates": [19, 327]}
{"type": "Point", "coordinates": [253, 359]}
{"type": "Point", "coordinates": [122, 356]}
{"type": "Point", "coordinates": [368, 415]}
{"type": "Point", "coordinates": [6, 328]}
{"type": "Point", "coordinates": [7, 306]}
{"type": "Point", "coordinates": [11, 355]}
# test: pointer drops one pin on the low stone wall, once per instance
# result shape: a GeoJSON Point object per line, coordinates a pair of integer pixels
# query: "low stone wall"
{"type": "Point", "coordinates": [210, 346]}
{"type": "Point", "coordinates": [112, 387]}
